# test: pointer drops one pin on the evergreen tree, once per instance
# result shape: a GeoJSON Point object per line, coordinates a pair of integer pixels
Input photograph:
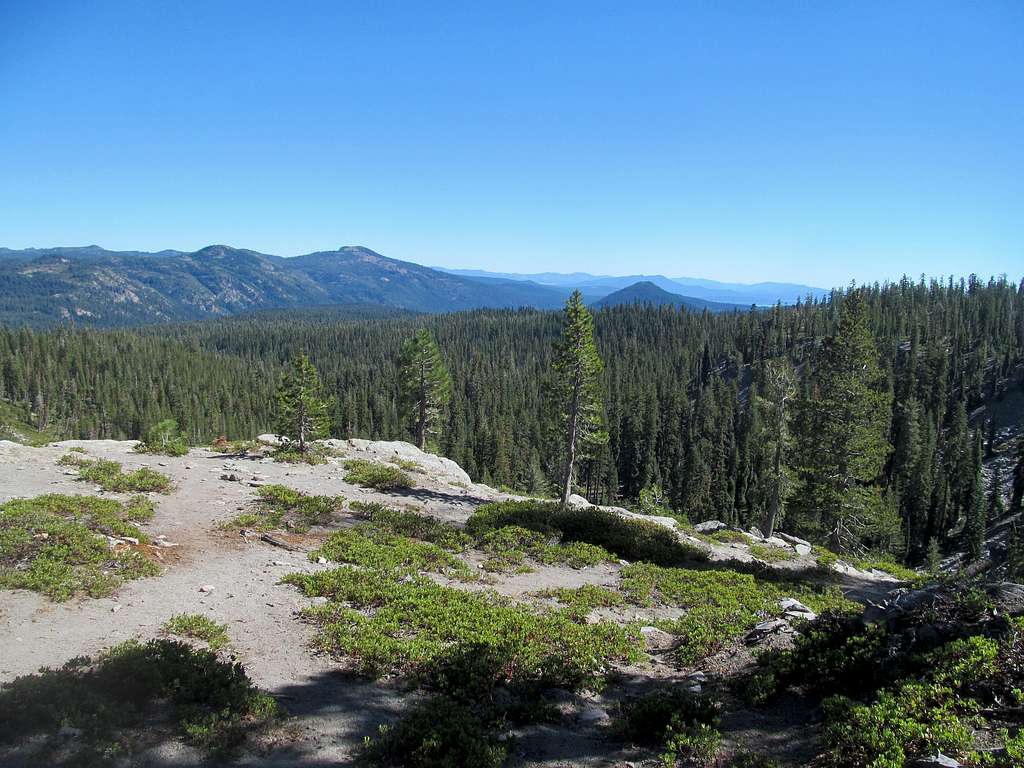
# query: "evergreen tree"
{"type": "Point", "coordinates": [1017, 494]}
{"type": "Point", "coordinates": [843, 434]}
{"type": "Point", "coordinates": [425, 386]}
{"type": "Point", "coordinates": [302, 411]}
{"type": "Point", "coordinates": [996, 507]}
{"type": "Point", "coordinates": [974, 526]}
{"type": "Point", "coordinates": [576, 391]}
{"type": "Point", "coordinates": [778, 392]}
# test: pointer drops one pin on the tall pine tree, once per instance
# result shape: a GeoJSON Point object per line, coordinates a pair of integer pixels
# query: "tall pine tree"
{"type": "Point", "coordinates": [425, 386]}
{"type": "Point", "coordinates": [576, 394]}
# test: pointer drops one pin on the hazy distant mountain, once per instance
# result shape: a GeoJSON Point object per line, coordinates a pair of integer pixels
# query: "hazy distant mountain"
{"type": "Point", "coordinates": [97, 287]}
{"type": "Point", "coordinates": [711, 290]}
{"type": "Point", "coordinates": [646, 292]}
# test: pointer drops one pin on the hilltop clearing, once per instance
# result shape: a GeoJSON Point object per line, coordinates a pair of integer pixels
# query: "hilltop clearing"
{"type": "Point", "coordinates": [533, 636]}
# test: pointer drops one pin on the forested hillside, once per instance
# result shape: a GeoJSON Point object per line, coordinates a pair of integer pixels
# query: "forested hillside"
{"type": "Point", "coordinates": [691, 400]}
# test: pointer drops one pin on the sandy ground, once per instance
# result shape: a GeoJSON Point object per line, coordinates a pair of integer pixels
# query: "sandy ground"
{"type": "Point", "coordinates": [331, 712]}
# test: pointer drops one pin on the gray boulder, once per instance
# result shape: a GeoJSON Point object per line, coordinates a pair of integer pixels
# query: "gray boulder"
{"type": "Point", "coordinates": [710, 526]}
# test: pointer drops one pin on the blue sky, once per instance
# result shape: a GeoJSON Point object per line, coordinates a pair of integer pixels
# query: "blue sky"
{"type": "Point", "coordinates": [802, 141]}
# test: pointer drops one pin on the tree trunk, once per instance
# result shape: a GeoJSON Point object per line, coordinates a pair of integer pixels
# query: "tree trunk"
{"type": "Point", "coordinates": [421, 421]}
{"type": "Point", "coordinates": [570, 447]}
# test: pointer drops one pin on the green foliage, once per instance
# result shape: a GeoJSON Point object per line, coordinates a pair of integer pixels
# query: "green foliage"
{"type": "Point", "coordinates": [841, 434]}
{"type": "Point", "coordinates": [200, 627]}
{"type": "Point", "coordinates": [441, 733]}
{"type": "Point", "coordinates": [278, 506]}
{"type": "Point", "coordinates": [371, 474]}
{"type": "Point", "coordinates": [671, 374]}
{"type": "Point", "coordinates": [114, 701]}
{"type": "Point", "coordinates": [630, 539]}
{"type": "Point", "coordinates": [425, 386]}
{"type": "Point", "coordinates": [579, 602]}
{"type": "Point", "coordinates": [56, 545]}
{"type": "Point", "coordinates": [109, 475]}
{"type": "Point", "coordinates": [914, 720]}
{"type": "Point", "coordinates": [290, 454]}
{"type": "Point", "coordinates": [680, 724]}
{"type": "Point", "coordinates": [509, 547]}
{"type": "Point", "coordinates": [771, 554]}
{"type": "Point", "coordinates": [575, 396]}
{"type": "Point", "coordinates": [720, 604]}
{"type": "Point", "coordinates": [164, 438]}
{"type": "Point", "coordinates": [372, 547]}
{"type": "Point", "coordinates": [412, 524]}
{"type": "Point", "coordinates": [834, 654]}
{"type": "Point", "coordinates": [460, 642]}
{"type": "Point", "coordinates": [888, 564]}
{"type": "Point", "coordinates": [302, 412]}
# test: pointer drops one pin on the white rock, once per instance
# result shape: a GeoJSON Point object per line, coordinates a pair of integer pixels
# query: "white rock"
{"type": "Point", "coordinates": [792, 539]}
{"type": "Point", "coordinates": [710, 526]}
{"type": "Point", "coordinates": [802, 549]}
{"type": "Point", "coordinates": [657, 640]}
{"type": "Point", "coordinates": [207, 588]}
{"type": "Point", "coordinates": [274, 440]}
{"type": "Point", "coordinates": [792, 604]}
{"type": "Point", "coordinates": [775, 541]}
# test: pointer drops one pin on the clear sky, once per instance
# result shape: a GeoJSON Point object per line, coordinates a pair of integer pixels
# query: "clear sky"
{"type": "Point", "coordinates": [815, 142]}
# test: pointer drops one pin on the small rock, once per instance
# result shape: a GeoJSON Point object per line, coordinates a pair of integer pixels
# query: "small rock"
{"type": "Point", "coordinates": [791, 604]}
{"type": "Point", "coordinates": [318, 600]}
{"type": "Point", "coordinates": [230, 476]}
{"type": "Point", "coordinates": [130, 540]}
{"type": "Point", "coordinates": [207, 588]}
{"type": "Point", "coordinates": [939, 759]}
{"type": "Point", "coordinates": [710, 526]}
{"type": "Point", "coordinates": [766, 628]}
{"type": "Point", "coordinates": [775, 541]}
{"type": "Point", "coordinates": [321, 561]}
{"type": "Point", "coordinates": [116, 607]}
{"type": "Point", "coordinates": [279, 562]}
{"type": "Point", "coordinates": [694, 688]}
{"type": "Point", "coordinates": [794, 615]}
{"type": "Point", "coordinates": [697, 677]}
{"type": "Point", "coordinates": [657, 640]}
{"type": "Point", "coordinates": [802, 549]}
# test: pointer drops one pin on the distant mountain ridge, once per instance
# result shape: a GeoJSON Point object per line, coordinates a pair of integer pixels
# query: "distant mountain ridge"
{"type": "Point", "coordinates": [762, 294]}
{"type": "Point", "coordinates": [93, 286]}
{"type": "Point", "coordinates": [646, 292]}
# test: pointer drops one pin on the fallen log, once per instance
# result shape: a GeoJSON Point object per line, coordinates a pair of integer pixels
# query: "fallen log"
{"type": "Point", "coordinates": [279, 542]}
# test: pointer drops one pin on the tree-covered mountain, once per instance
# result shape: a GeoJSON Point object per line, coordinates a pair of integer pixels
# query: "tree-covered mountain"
{"type": "Point", "coordinates": [646, 292]}
{"type": "Point", "coordinates": [91, 286]}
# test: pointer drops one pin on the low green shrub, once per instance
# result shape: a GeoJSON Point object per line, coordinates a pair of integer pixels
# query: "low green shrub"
{"type": "Point", "coordinates": [278, 506]}
{"type": "Point", "coordinates": [729, 536]}
{"type": "Point", "coordinates": [630, 539]}
{"type": "Point", "coordinates": [371, 547]}
{"type": "Point", "coordinates": [164, 438]}
{"type": "Point", "coordinates": [720, 604]}
{"type": "Point", "coordinates": [109, 475]}
{"type": "Point", "coordinates": [579, 602]}
{"type": "Point", "coordinates": [772, 554]}
{"type": "Point", "coordinates": [835, 654]}
{"type": "Point", "coordinates": [370, 474]}
{"type": "Point", "coordinates": [441, 733]}
{"type": "Point", "coordinates": [288, 454]}
{"type": "Point", "coordinates": [508, 549]}
{"type": "Point", "coordinates": [887, 564]}
{"type": "Point", "coordinates": [915, 720]}
{"type": "Point", "coordinates": [56, 545]}
{"type": "Point", "coordinates": [461, 642]}
{"type": "Point", "coordinates": [200, 627]}
{"type": "Point", "coordinates": [412, 524]}
{"type": "Point", "coordinates": [115, 700]}
{"type": "Point", "coordinates": [680, 724]}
